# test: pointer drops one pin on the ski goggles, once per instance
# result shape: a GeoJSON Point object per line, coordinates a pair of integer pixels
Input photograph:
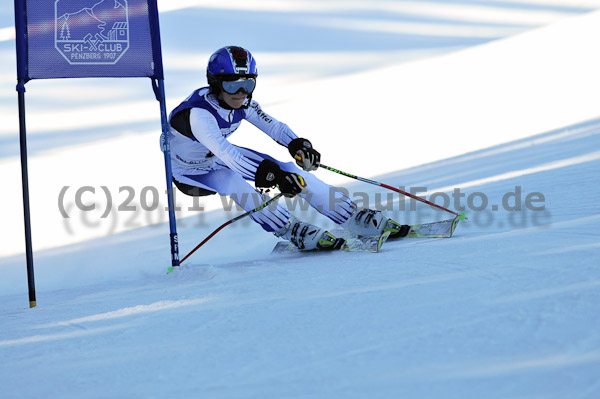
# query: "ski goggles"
{"type": "Point", "coordinates": [245, 85]}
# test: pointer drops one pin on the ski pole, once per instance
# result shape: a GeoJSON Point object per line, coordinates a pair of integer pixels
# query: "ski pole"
{"type": "Point", "coordinates": [462, 215]}
{"type": "Point", "coordinates": [235, 219]}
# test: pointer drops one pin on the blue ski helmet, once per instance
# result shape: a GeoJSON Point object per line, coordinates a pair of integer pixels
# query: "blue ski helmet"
{"type": "Point", "coordinates": [229, 64]}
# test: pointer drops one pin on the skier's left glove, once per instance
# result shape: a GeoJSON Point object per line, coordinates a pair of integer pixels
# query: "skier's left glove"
{"type": "Point", "coordinates": [305, 155]}
{"type": "Point", "coordinates": [269, 174]}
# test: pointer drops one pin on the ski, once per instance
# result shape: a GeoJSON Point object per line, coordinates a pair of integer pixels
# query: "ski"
{"type": "Point", "coordinates": [346, 242]}
{"type": "Point", "coordinates": [350, 242]}
{"type": "Point", "coordinates": [440, 229]}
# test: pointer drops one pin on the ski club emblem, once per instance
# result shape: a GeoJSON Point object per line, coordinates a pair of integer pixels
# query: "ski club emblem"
{"type": "Point", "coordinates": [91, 32]}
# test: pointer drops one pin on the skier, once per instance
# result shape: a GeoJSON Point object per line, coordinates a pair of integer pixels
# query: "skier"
{"type": "Point", "coordinates": [205, 163]}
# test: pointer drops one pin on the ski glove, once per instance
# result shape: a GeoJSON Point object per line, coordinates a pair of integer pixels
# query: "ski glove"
{"type": "Point", "coordinates": [305, 155]}
{"type": "Point", "coordinates": [269, 174]}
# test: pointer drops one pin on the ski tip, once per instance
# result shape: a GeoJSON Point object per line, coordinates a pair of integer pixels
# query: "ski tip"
{"type": "Point", "coordinates": [463, 216]}
{"type": "Point", "coordinates": [383, 238]}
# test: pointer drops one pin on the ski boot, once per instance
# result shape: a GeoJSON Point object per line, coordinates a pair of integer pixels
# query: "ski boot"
{"type": "Point", "coordinates": [368, 222]}
{"type": "Point", "coordinates": [308, 237]}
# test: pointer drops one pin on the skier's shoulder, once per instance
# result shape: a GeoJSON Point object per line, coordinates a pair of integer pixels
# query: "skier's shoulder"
{"type": "Point", "coordinates": [197, 107]}
{"type": "Point", "coordinates": [194, 100]}
{"type": "Point", "coordinates": [202, 104]}
{"type": "Point", "coordinates": [201, 98]}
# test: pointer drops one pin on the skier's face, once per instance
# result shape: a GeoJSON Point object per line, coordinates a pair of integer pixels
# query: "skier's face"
{"type": "Point", "coordinates": [235, 101]}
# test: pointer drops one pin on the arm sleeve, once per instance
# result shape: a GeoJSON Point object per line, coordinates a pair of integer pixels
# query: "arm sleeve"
{"type": "Point", "coordinates": [278, 131]}
{"type": "Point", "coordinates": [206, 130]}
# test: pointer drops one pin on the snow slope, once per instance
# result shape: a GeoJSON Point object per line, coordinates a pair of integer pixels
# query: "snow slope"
{"type": "Point", "coordinates": [505, 309]}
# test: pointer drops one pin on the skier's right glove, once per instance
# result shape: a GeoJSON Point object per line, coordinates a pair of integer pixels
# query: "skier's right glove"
{"type": "Point", "coordinates": [269, 174]}
{"type": "Point", "coordinates": [305, 155]}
